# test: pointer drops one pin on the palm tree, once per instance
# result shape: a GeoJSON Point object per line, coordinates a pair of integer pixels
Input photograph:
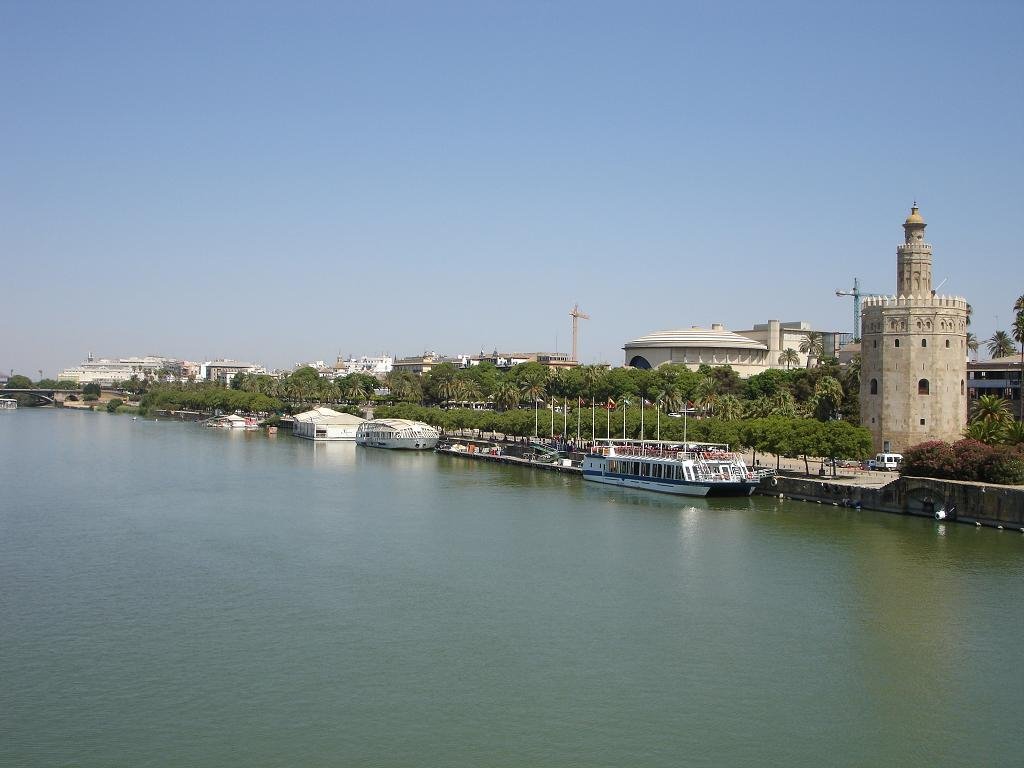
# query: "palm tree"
{"type": "Point", "coordinates": [535, 388]}
{"type": "Point", "coordinates": [730, 408]}
{"type": "Point", "coordinates": [671, 399]}
{"type": "Point", "coordinates": [448, 390]}
{"type": "Point", "coordinates": [989, 432]}
{"type": "Point", "coordinates": [811, 345]}
{"type": "Point", "coordinates": [1014, 433]}
{"type": "Point", "coordinates": [1018, 305]}
{"type": "Point", "coordinates": [972, 344]}
{"type": "Point", "coordinates": [828, 394]}
{"type": "Point", "coordinates": [1018, 336]}
{"type": "Point", "coordinates": [1000, 345]}
{"type": "Point", "coordinates": [706, 394]}
{"type": "Point", "coordinates": [782, 403]}
{"type": "Point", "coordinates": [991, 408]}
{"type": "Point", "coordinates": [471, 391]}
{"type": "Point", "coordinates": [789, 357]}
{"type": "Point", "coordinates": [507, 395]}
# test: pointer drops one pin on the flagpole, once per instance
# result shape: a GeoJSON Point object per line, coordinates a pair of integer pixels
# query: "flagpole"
{"type": "Point", "coordinates": [579, 407]}
{"type": "Point", "coordinates": [642, 404]}
{"type": "Point", "coordinates": [593, 419]}
{"type": "Point", "coordinates": [658, 406]}
{"type": "Point", "coordinates": [565, 419]}
{"type": "Point", "coordinates": [552, 418]}
{"type": "Point", "coordinates": [686, 407]}
{"type": "Point", "coordinates": [608, 422]}
{"type": "Point", "coordinates": [624, 404]}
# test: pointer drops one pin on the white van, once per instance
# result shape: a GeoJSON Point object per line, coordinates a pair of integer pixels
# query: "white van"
{"type": "Point", "coordinates": [888, 462]}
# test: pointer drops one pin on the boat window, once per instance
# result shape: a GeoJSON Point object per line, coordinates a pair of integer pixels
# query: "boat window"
{"type": "Point", "coordinates": [636, 468]}
{"type": "Point", "coordinates": [645, 469]}
{"type": "Point", "coordinates": [656, 470]}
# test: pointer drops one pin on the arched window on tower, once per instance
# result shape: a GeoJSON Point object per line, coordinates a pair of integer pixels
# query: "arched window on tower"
{"type": "Point", "coordinates": [961, 386]}
{"type": "Point", "coordinates": [897, 342]}
{"type": "Point", "coordinates": [947, 343]}
{"type": "Point", "coordinates": [923, 388]}
{"type": "Point", "coordinates": [924, 342]}
{"type": "Point", "coordinates": [874, 386]}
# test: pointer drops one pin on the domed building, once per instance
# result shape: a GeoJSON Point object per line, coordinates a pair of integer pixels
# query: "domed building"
{"type": "Point", "coordinates": [697, 346]}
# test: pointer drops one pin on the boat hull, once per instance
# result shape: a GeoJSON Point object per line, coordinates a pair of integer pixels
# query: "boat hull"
{"type": "Point", "coordinates": [399, 443]}
{"type": "Point", "coordinates": [674, 487]}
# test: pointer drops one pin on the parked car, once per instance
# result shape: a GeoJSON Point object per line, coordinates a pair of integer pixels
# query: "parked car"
{"type": "Point", "coordinates": [886, 462]}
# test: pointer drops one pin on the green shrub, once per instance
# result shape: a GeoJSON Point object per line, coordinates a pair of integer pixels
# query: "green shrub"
{"type": "Point", "coordinates": [114, 404]}
{"type": "Point", "coordinates": [931, 459]}
{"type": "Point", "coordinates": [969, 458]}
{"type": "Point", "coordinates": [1005, 467]}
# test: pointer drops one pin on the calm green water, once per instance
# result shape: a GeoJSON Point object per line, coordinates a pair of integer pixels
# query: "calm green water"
{"type": "Point", "coordinates": [171, 595]}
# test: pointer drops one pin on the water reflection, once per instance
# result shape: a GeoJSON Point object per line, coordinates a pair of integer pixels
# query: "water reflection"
{"type": "Point", "coordinates": [332, 454]}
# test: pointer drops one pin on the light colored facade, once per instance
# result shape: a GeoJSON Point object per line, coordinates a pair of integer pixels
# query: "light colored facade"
{"type": "Point", "coordinates": [226, 370]}
{"type": "Point", "coordinates": [913, 383]}
{"type": "Point", "coordinates": [421, 364]}
{"type": "Point", "coordinates": [105, 371]}
{"type": "Point", "coordinates": [325, 424]}
{"type": "Point", "coordinates": [375, 366]}
{"type": "Point", "coordinates": [749, 352]}
{"type": "Point", "coordinates": [697, 346]}
{"type": "Point", "coordinates": [506, 360]}
{"type": "Point", "coordinates": [780, 336]}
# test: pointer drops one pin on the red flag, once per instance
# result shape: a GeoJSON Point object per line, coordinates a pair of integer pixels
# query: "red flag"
{"type": "Point", "coordinates": [610, 405]}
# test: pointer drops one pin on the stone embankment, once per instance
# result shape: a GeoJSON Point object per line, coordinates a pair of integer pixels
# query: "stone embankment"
{"type": "Point", "coordinates": [978, 503]}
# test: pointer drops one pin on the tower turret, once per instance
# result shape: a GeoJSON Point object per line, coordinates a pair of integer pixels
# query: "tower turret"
{"type": "Point", "coordinates": [914, 258]}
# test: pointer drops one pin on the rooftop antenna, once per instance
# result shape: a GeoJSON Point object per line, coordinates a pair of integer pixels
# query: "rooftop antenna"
{"type": "Point", "coordinates": [576, 316]}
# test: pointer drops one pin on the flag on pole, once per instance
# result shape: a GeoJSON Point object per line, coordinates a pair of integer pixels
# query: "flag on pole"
{"type": "Point", "coordinates": [610, 404]}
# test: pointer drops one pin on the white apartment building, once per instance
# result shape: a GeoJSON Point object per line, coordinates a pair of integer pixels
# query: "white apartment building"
{"type": "Point", "coordinates": [106, 371]}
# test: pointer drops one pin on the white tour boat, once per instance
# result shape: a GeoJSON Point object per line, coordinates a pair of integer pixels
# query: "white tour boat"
{"type": "Point", "coordinates": [8, 404]}
{"type": "Point", "coordinates": [686, 469]}
{"type": "Point", "coordinates": [397, 433]}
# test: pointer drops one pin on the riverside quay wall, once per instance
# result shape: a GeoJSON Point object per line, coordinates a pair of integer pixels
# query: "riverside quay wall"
{"type": "Point", "coordinates": [970, 502]}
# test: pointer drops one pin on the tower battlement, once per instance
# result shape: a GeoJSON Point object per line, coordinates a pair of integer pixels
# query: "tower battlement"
{"type": "Point", "coordinates": [935, 302]}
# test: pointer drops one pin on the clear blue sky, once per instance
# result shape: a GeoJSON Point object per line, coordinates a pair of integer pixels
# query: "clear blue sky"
{"type": "Point", "coordinates": [284, 181]}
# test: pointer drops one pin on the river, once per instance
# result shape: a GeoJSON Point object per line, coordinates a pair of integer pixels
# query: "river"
{"type": "Point", "coordinates": [172, 595]}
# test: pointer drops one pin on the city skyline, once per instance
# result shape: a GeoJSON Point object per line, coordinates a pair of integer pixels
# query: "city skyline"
{"type": "Point", "coordinates": [280, 185]}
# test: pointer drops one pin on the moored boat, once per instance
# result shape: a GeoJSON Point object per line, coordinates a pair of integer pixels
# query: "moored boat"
{"type": "Point", "coordinates": [686, 469]}
{"type": "Point", "coordinates": [8, 404]}
{"type": "Point", "coordinates": [233, 421]}
{"type": "Point", "coordinates": [397, 433]}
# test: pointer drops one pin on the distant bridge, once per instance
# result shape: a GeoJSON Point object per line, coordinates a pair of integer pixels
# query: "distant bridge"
{"type": "Point", "coordinates": [47, 395]}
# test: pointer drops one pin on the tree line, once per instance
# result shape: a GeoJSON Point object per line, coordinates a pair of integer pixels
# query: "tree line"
{"type": "Point", "coordinates": [826, 392]}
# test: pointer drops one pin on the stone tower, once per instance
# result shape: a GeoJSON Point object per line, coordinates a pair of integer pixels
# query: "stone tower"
{"type": "Point", "coordinates": [913, 380]}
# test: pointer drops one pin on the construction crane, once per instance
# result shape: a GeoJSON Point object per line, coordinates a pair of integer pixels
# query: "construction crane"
{"type": "Point", "coordinates": [856, 293]}
{"type": "Point", "coordinates": [576, 316]}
